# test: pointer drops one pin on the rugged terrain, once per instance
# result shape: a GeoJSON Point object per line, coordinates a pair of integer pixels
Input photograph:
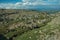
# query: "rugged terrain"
{"type": "Point", "coordinates": [29, 25]}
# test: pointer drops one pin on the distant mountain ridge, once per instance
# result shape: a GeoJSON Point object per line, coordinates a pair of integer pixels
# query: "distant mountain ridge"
{"type": "Point", "coordinates": [44, 7]}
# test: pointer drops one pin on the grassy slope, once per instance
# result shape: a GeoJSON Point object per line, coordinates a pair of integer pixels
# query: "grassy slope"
{"type": "Point", "coordinates": [49, 32]}
{"type": "Point", "coordinates": [18, 22]}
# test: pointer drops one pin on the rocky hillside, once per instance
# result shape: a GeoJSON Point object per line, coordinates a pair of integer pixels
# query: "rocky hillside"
{"type": "Point", "coordinates": [21, 24]}
{"type": "Point", "coordinates": [51, 31]}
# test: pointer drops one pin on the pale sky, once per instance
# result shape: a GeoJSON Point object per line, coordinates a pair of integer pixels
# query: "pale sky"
{"type": "Point", "coordinates": [9, 4]}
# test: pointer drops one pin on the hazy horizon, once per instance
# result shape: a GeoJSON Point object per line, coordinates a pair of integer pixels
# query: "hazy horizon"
{"type": "Point", "coordinates": [30, 4]}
